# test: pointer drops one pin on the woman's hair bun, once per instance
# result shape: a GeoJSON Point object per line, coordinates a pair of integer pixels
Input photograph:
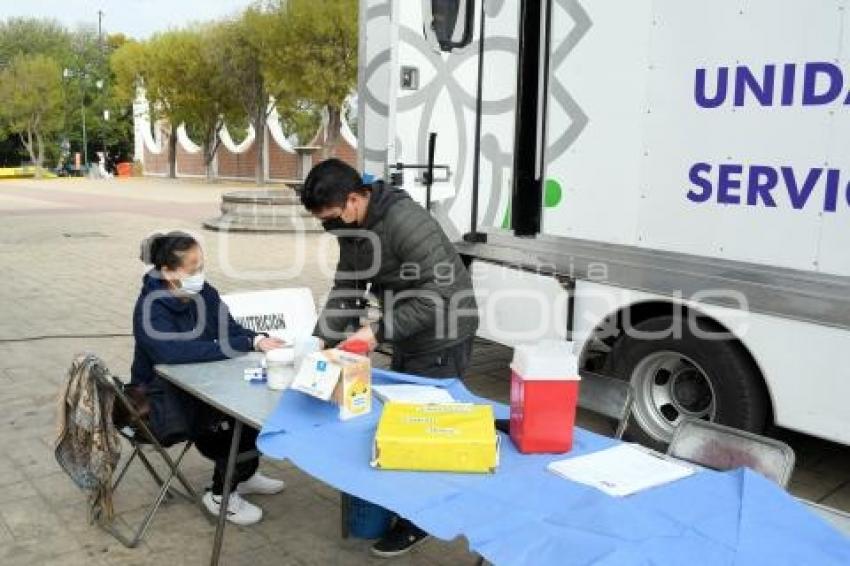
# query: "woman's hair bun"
{"type": "Point", "coordinates": [149, 247]}
{"type": "Point", "coordinates": [168, 250]}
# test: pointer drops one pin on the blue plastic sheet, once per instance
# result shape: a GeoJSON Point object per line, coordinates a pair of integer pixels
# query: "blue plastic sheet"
{"type": "Point", "coordinates": [524, 514]}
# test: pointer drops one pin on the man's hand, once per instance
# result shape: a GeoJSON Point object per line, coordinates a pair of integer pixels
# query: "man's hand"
{"type": "Point", "coordinates": [268, 343]}
{"type": "Point", "coordinates": [365, 334]}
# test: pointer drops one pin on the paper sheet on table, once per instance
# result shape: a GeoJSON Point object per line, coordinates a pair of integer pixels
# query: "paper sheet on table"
{"type": "Point", "coordinates": [620, 470]}
{"type": "Point", "coordinates": [417, 394]}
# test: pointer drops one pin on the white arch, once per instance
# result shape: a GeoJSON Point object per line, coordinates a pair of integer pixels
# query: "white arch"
{"type": "Point", "coordinates": [153, 139]}
{"type": "Point", "coordinates": [232, 147]}
{"type": "Point", "coordinates": [276, 132]}
{"type": "Point", "coordinates": [153, 142]}
{"type": "Point", "coordinates": [184, 140]}
{"type": "Point", "coordinates": [345, 129]}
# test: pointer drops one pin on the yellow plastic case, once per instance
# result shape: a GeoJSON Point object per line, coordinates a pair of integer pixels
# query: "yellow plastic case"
{"type": "Point", "coordinates": [452, 437]}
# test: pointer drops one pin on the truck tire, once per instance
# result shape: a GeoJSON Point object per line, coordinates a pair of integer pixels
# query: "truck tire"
{"type": "Point", "coordinates": [674, 377]}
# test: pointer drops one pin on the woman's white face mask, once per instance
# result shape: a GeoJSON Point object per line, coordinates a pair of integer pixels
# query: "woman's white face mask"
{"type": "Point", "coordinates": [193, 284]}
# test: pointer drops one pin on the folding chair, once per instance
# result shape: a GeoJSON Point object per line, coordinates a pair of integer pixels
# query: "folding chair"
{"type": "Point", "coordinates": [724, 448]}
{"type": "Point", "coordinates": [835, 517]}
{"type": "Point", "coordinates": [607, 396]}
{"type": "Point", "coordinates": [133, 427]}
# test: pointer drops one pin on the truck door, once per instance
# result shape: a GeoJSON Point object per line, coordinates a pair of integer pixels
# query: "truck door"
{"type": "Point", "coordinates": [442, 88]}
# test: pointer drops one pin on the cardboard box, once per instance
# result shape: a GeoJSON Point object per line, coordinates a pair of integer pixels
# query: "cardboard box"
{"type": "Point", "coordinates": [449, 437]}
{"type": "Point", "coordinates": [341, 377]}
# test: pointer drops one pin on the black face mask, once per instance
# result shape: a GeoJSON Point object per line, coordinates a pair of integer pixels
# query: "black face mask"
{"type": "Point", "coordinates": [338, 223]}
{"type": "Point", "coordinates": [334, 224]}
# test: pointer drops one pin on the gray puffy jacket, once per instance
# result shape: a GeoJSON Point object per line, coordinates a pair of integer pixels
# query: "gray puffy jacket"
{"type": "Point", "coordinates": [423, 288]}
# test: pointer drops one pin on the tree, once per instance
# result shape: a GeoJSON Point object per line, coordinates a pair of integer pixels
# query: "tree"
{"type": "Point", "coordinates": [185, 83]}
{"type": "Point", "coordinates": [145, 65]}
{"type": "Point", "coordinates": [129, 65]}
{"type": "Point", "coordinates": [31, 36]}
{"type": "Point", "coordinates": [239, 52]}
{"type": "Point", "coordinates": [311, 47]}
{"type": "Point", "coordinates": [210, 90]}
{"type": "Point", "coordinates": [31, 102]}
{"type": "Point", "coordinates": [90, 91]}
{"type": "Point", "coordinates": [299, 118]}
{"type": "Point", "coordinates": [216, 100]}
{"type": "Point", "coordinates": [85, 57]}
{"type": "Point", "coordinates": [116, 130]}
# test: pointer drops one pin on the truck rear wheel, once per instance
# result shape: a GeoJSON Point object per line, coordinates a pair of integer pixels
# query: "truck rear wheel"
{"type": "Point", "coordinates": [687, 376]}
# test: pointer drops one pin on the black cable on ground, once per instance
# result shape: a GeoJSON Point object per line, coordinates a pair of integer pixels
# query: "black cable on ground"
{"type": "Point", "coordinates": [62, 337]}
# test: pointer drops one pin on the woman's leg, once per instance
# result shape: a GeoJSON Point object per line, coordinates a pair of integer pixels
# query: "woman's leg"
{"type": "Point", "coordinates": [215, 445]}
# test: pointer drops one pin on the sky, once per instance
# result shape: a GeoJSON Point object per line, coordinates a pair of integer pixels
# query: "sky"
{"type": "Point", "coordinates": [134, 18]}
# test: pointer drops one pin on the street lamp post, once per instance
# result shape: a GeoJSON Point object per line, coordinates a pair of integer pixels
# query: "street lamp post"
{"type": "Point", "coordinates": [70, 74]}
{"type": "Point", "coordinates": [99, 84]}
{"type": "Point", "coordinates": [105, 121]}
{"type": "Point", "coordinates": [81, 75]}
{"type": "Point", "coordinates": [85, 140]}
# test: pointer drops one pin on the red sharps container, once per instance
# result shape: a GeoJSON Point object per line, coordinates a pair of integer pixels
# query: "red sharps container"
{"type": "Point", "coordinates": [544, 394]}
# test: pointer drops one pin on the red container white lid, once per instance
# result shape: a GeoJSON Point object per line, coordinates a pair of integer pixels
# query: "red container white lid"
{"type": "Point", "coordinates": [548, 360]}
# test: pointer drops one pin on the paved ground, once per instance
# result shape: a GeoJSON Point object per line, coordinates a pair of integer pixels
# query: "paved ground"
{"type": "Point", "coordinates": [69, 253]}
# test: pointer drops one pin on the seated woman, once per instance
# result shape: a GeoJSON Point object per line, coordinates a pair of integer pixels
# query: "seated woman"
{"type": "Point", "coordinates": [179, 318]}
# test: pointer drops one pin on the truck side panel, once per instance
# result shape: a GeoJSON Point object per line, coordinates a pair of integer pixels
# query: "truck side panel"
{"type": "Point", "coordinates": [723, 124]}
{"type": "Point", "coordinates": [597, 90]}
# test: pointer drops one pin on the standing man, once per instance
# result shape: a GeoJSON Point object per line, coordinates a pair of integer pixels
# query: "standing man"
{"type": "Point", "coordinates": [392, 251]}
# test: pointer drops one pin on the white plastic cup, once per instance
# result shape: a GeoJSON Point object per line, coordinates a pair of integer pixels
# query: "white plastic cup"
{"type": "Point", "coordinates": [279, 370]}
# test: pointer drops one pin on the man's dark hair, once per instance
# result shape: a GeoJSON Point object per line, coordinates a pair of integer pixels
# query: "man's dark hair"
{"type": "Point", "coordinates": [166, 249]}
{"type": "Point", "coordinates": [328, 184]}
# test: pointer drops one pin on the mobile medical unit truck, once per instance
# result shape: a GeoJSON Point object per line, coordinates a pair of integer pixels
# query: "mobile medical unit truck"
{"type": "Point", "coordinates": [664, 182]}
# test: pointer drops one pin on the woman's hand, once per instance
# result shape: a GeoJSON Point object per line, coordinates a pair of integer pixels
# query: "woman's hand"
{"type": "Point", "coordinates": [269, 343]}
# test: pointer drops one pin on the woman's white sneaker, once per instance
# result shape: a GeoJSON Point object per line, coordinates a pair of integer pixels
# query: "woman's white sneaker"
{"type": "Point", "coordinates": [258, 484]}
{"type": "Point", "coordinates": [239, 511]}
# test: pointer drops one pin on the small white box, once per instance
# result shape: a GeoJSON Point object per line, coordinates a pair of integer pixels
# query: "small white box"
{"type": "Point", "coordinates": [317, 376]}
{"type": "Point", "coordinates": [340, 377]}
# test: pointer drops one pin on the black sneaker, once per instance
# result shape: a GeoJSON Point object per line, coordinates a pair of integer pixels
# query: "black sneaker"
{"type": "Point", "coordinates": [400, 539]}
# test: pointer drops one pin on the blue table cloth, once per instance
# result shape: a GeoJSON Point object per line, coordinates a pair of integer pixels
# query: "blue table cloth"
{"type": "Point", "coordinates": [524, 514]}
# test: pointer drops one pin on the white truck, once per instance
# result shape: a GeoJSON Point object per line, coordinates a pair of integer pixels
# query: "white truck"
{"type": "Point", "coordinates": [664, 182]}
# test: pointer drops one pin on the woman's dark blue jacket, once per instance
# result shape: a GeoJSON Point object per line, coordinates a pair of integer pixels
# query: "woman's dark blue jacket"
{"type": "Point", "coordinates": [173, 330]}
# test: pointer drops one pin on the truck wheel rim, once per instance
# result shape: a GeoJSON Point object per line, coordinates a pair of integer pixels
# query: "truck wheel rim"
{"type": "Point", "coordinates": [670, 386]}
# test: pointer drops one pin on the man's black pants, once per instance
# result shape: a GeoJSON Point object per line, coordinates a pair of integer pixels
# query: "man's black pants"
{"type": "Point", "coordinates": [449, 362]}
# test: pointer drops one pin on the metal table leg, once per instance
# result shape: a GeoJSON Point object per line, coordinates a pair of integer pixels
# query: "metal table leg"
{"type": "Point", "coordinates": [344, 511]}
{"type": "Point", "coordinates": [225, 496]}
